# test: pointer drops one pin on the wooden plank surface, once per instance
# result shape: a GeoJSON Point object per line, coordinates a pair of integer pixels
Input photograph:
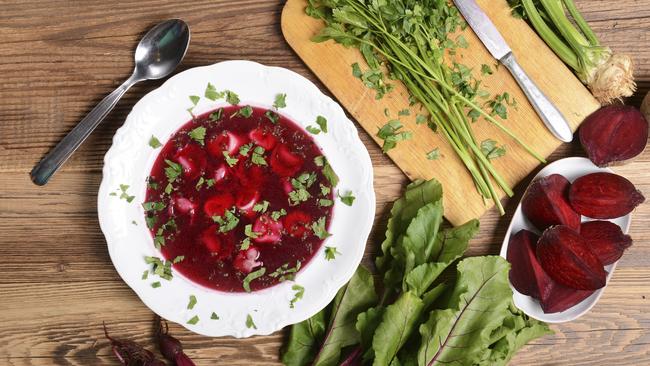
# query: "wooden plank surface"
{"type": "Point", "coordinates": [331, 63]}
{"type": "Point", "coordinates": [57, 284]}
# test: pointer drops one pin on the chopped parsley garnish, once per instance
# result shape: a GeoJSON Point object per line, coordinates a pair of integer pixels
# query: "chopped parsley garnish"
{"type": "Point", "coordinates": [229, 159]}
{"type": "Point", "coordinates": [198, 135]}
{"type": "Point", "coordinates": [300, 185]}
{"type": "Point", "coordinates": [194, 320]}
{"type": "Point", "coordinates": [248, 231]}
{"type": "Point", "coordinates": [433, 154]}
{"type": "Point", "coordinates": [156, 284]}
{"type": "Point", "coordinates": [420, 119]}
{"type": "Point", "coordinates": [153, 206]}
{"type": "Point", "coordinates": [134, 222]}
{"type": "Point", "coordinates": [404, 112]}
{"type": "Point", "coordinates": [491, 150]}
{"type": "Point", "coordinates": [160, 268]}
{"type": "Point", "coordinates": [251, 277]}
{"type": "Point", "coordinates": [258, 156]}
{"type": "Point", "coordinates": [154, 142]}
{"type": "Point", "coordinates": [159, 240]}
{"type": "Point", "coordinates": [210, 182]}
{"type": "Point", "coordinates": [330, 253]}
{"type": "Point", "coordinates": [319, 228]}
{"type": "Point", "coordinates": [245, 244]}
{"type": "Point", "coordinates": [151, 221]}
{"type": "Point", "coordinates": [250, 323]}
{"type": "Point", "coordinates": [244, 150]}
{"type": "Point", "coordinates": [192, 302]}
{"type": "Point", "coordinates": [391, 134]}
{"type": "Point", "coordinates": [272, 116]}
{"type": "Point", "coordinates": [261, 207]}
{"type": "Point", "coordinates": [195, 99]}
{"type": "Point", "coordinates": [216, 115]}
{"type": "Point", "coordinates": [284, 273]}
{"type": "Point", "coordinates": [328, 172]}
{"type": "Point", "coordinates": [231, 97]}
{"type": "Point", "coordinates": [313, 130]}
{"type": "Point", "coordinates": [324, 202]}
{"type": "Point", "coordinates": [486, 70]}
{"type": "Point", "coordinates": [346, 198]}
{"type": "Point", "coordinates": [212, 93]}
{"type": "Point", "coordinates": [356, 70]}
{"type": "Point", "coordinates": [199, 183]}
{"type": "Point", "coordinates": [228, 222]}
{"type": "Point", "coordinates": [245, 111]}
{"type": "Point", "coordinates": [300, 291]}
{"type": "Point", "coordinates": [297, 196]}
{"type": "Point", "coordinates": [498, 105]}
{"type": "Point", "coordinates": [325, 190]}
{"type": "Point", "coordinates": [280, 101]}
{"type": "Point", "coordinates": [124, 195]}
{"type": "Point", "coordinates": [214, 316]}
{"type": "Point", "coordinates": [179, 259]}
{"type": "Point", "coordinates": [322, 123]}
{"type": "Point", "coordinates": [145, 274]}
{"type": "Point", "coordinates": [173, 171]}
{"type": "Point", "coordinates": [275, 215]}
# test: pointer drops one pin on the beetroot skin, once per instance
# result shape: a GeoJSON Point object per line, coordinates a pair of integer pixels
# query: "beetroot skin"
{"type": "Point", "coordinates": [604, 196]}
{"type": "Point", "coordinates": [546, 203]}
{"type": "Point", "coordinates": [526, 274]}
{"type": "Point", "coordinates": [614, 134]}
{"type": "Point", "coordinates": [606, 240]}
{"type": "Point", "coordinates": [566, 258]}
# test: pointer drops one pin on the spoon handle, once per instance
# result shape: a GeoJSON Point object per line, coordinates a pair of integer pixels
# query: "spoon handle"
{"type": "Point", "coordinates": [44, 170]}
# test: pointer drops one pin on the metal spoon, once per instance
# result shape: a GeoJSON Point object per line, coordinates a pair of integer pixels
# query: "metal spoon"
{"type": "Point", "coordinates": [157, 55]}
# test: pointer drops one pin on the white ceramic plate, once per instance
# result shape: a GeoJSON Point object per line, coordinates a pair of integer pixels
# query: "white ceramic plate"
{"type": "Point", "coordinates": [572, 169]}
{"type": "Point", "coordinates": [129, 162]}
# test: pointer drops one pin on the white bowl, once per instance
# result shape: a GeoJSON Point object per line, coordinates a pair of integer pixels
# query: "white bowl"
{"type": "Point", "coordinates": [130, 159]}
{"type": "Point", "coordinates": [572, 169]}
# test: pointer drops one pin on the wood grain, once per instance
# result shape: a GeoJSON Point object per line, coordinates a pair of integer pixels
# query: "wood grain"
{"type": "Point", "coordinates": [331, 63]}
{"type": "Point", "coordinates": [57, 284]}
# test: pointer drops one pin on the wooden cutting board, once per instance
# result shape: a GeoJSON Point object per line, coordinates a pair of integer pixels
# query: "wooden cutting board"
{"type": "Point", "coordinates": [332, 62]}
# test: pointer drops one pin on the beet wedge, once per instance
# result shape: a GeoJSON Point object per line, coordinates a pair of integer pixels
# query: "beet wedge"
{"type": "Point", "coordinates": [526, 274]}
{"type": "Point", "coordinates": [606, 240]}
{"type": "Point", "coordinates": [567, 259]}
{"type": "Point", "coordinates": [604, 196]}
{"type": "Point", "coordinates": [546, 203]}
{"type": "Point", "coordinates": [560, 298]}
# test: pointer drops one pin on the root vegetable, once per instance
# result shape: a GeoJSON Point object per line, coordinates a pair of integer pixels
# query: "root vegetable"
{"type": "Point", "coordinates": [614, 134]}
{"type": "Point", "coordinates": [546, 203]}
{"type": "Point", "coordinates": [604, 196]}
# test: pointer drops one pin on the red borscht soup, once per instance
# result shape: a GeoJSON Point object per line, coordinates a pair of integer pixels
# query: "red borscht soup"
{"type": "Point", "coordinates": [239, 199]}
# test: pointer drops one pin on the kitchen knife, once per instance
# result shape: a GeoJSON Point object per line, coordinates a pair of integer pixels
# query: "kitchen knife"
{"type": "Point", "coordinates": [494, 42]}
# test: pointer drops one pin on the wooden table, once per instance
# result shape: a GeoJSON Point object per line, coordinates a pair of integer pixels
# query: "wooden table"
{"type": "Point", "coordinates": [57, 284]}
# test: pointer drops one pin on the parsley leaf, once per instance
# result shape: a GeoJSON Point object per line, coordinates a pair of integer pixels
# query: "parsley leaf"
{"type": "Point", "coordinates": [324, 202]}
{"type": "Point", "coordinates": [391, 134]}
{"type": "Point", "coordinates": [195, 99]}
{"type": "Point", "coordinates": [319, 228]}
{"type": "Point", "coordinates": [229, 159]}
{"type": "Point", "coordinates": [433, 154]}
{"type": "Point", "coordinates": [198, 135]}
{"type": "Point", "coordinates": [212, 93]}
{"type": "Point", "coordinates": [486, 70]}
{"type": "Point", "coordinates": [245, 149]}
{"type": "Point", "coordinates": [300, 291]}
{"type": "Point", "coordinates": [154, 142]}
{"type": "Point", "coordinates": [124, 195]}
{"type": "Point", "coordinates": [313, 130]}
{"type": "Point", "coordinates": [258, 156]}
{"type": "Point", "coordinates": [275, 215]}
{"type": "Point", "coordinates": [420, 119]}
{"type": "Point", "coordinates": [232, 98]}
{"type": "Point", "coordinates": [193, 320]}
{"type": "Point", "coordinates": [356, 70]}
{"type": "Point", "coordinates": [192, 302]}
{"type": "Point", "coordinates": [328, 172]}
{"type": "Point", "coordinates": [173, 171]}
{"type": "Point", "coordinates": [284, 273]}
{"type": "Point", "coordinates": [272, 116]}
{"type": "Point", "coordinates": [250, 323]}
{"type": "Point", "coordinates": [156, 284]}
{"type": "Point", "coordinates": [251, 277]}
{"type": "Point", "coordinates": [145, 274]}
{"type": "Point", "coordinates": [216, 115]}
{"type": "Point", "coordinates": [153, 206]}
{"type": "Point", "coordinates": [330, 253]}
{"type": "Point", "coordinates": [245, 111]}
{"type": "Point", "coordinates": [261, 207]}
{"type": "Point", "coordinates": [280, 101]}
{"type": "Point", "coordinates": [214, 316]}
{"type": "Point", "coordinates": [178, 259]}
{"type": "Point", "coordinates": [490, 149]}
{"type": "Point", "coordinates": [346, 198]}
{"type": "Point", "coordinates": [228, 222]}
{"type": "Point", "coordinates": [404, 112]}
{"type": "Point", "coordinates": [322, 123]}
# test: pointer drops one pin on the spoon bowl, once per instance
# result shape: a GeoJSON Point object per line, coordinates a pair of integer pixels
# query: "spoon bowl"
{"type": "Point", "coordinates": [161, 49]}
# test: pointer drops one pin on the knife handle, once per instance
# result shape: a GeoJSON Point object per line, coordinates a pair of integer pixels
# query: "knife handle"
{"type": "Point", "coordinates": [550, 115]}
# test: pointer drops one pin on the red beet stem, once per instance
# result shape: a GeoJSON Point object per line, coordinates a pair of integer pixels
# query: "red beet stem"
{"type": "Point", "coordinates": [171, 347]}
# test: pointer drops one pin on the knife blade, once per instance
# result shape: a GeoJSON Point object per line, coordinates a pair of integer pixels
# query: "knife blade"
{"type": "Point", "coordinates": [499, 49]}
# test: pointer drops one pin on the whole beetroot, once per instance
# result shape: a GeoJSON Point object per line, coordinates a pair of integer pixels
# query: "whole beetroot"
{"type": "Point", "coordinates": [546, 203]}
{"type": "Point", "coordinates": [604, 196]}
{"type": "Point", "coordinates": [614, 134]}
{"type": "Point", "coordinates": [171, 347]}
{"type": "Point", "coordinates": [130, 353]}
{"type": "Point", "coordinates": [567, 259]}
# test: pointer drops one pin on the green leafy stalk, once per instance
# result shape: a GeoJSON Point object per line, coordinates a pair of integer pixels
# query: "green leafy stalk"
{"type": "Point", "coordinates": [411, 39]}
{"type": "Point", "coordinates": [560, 24]}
